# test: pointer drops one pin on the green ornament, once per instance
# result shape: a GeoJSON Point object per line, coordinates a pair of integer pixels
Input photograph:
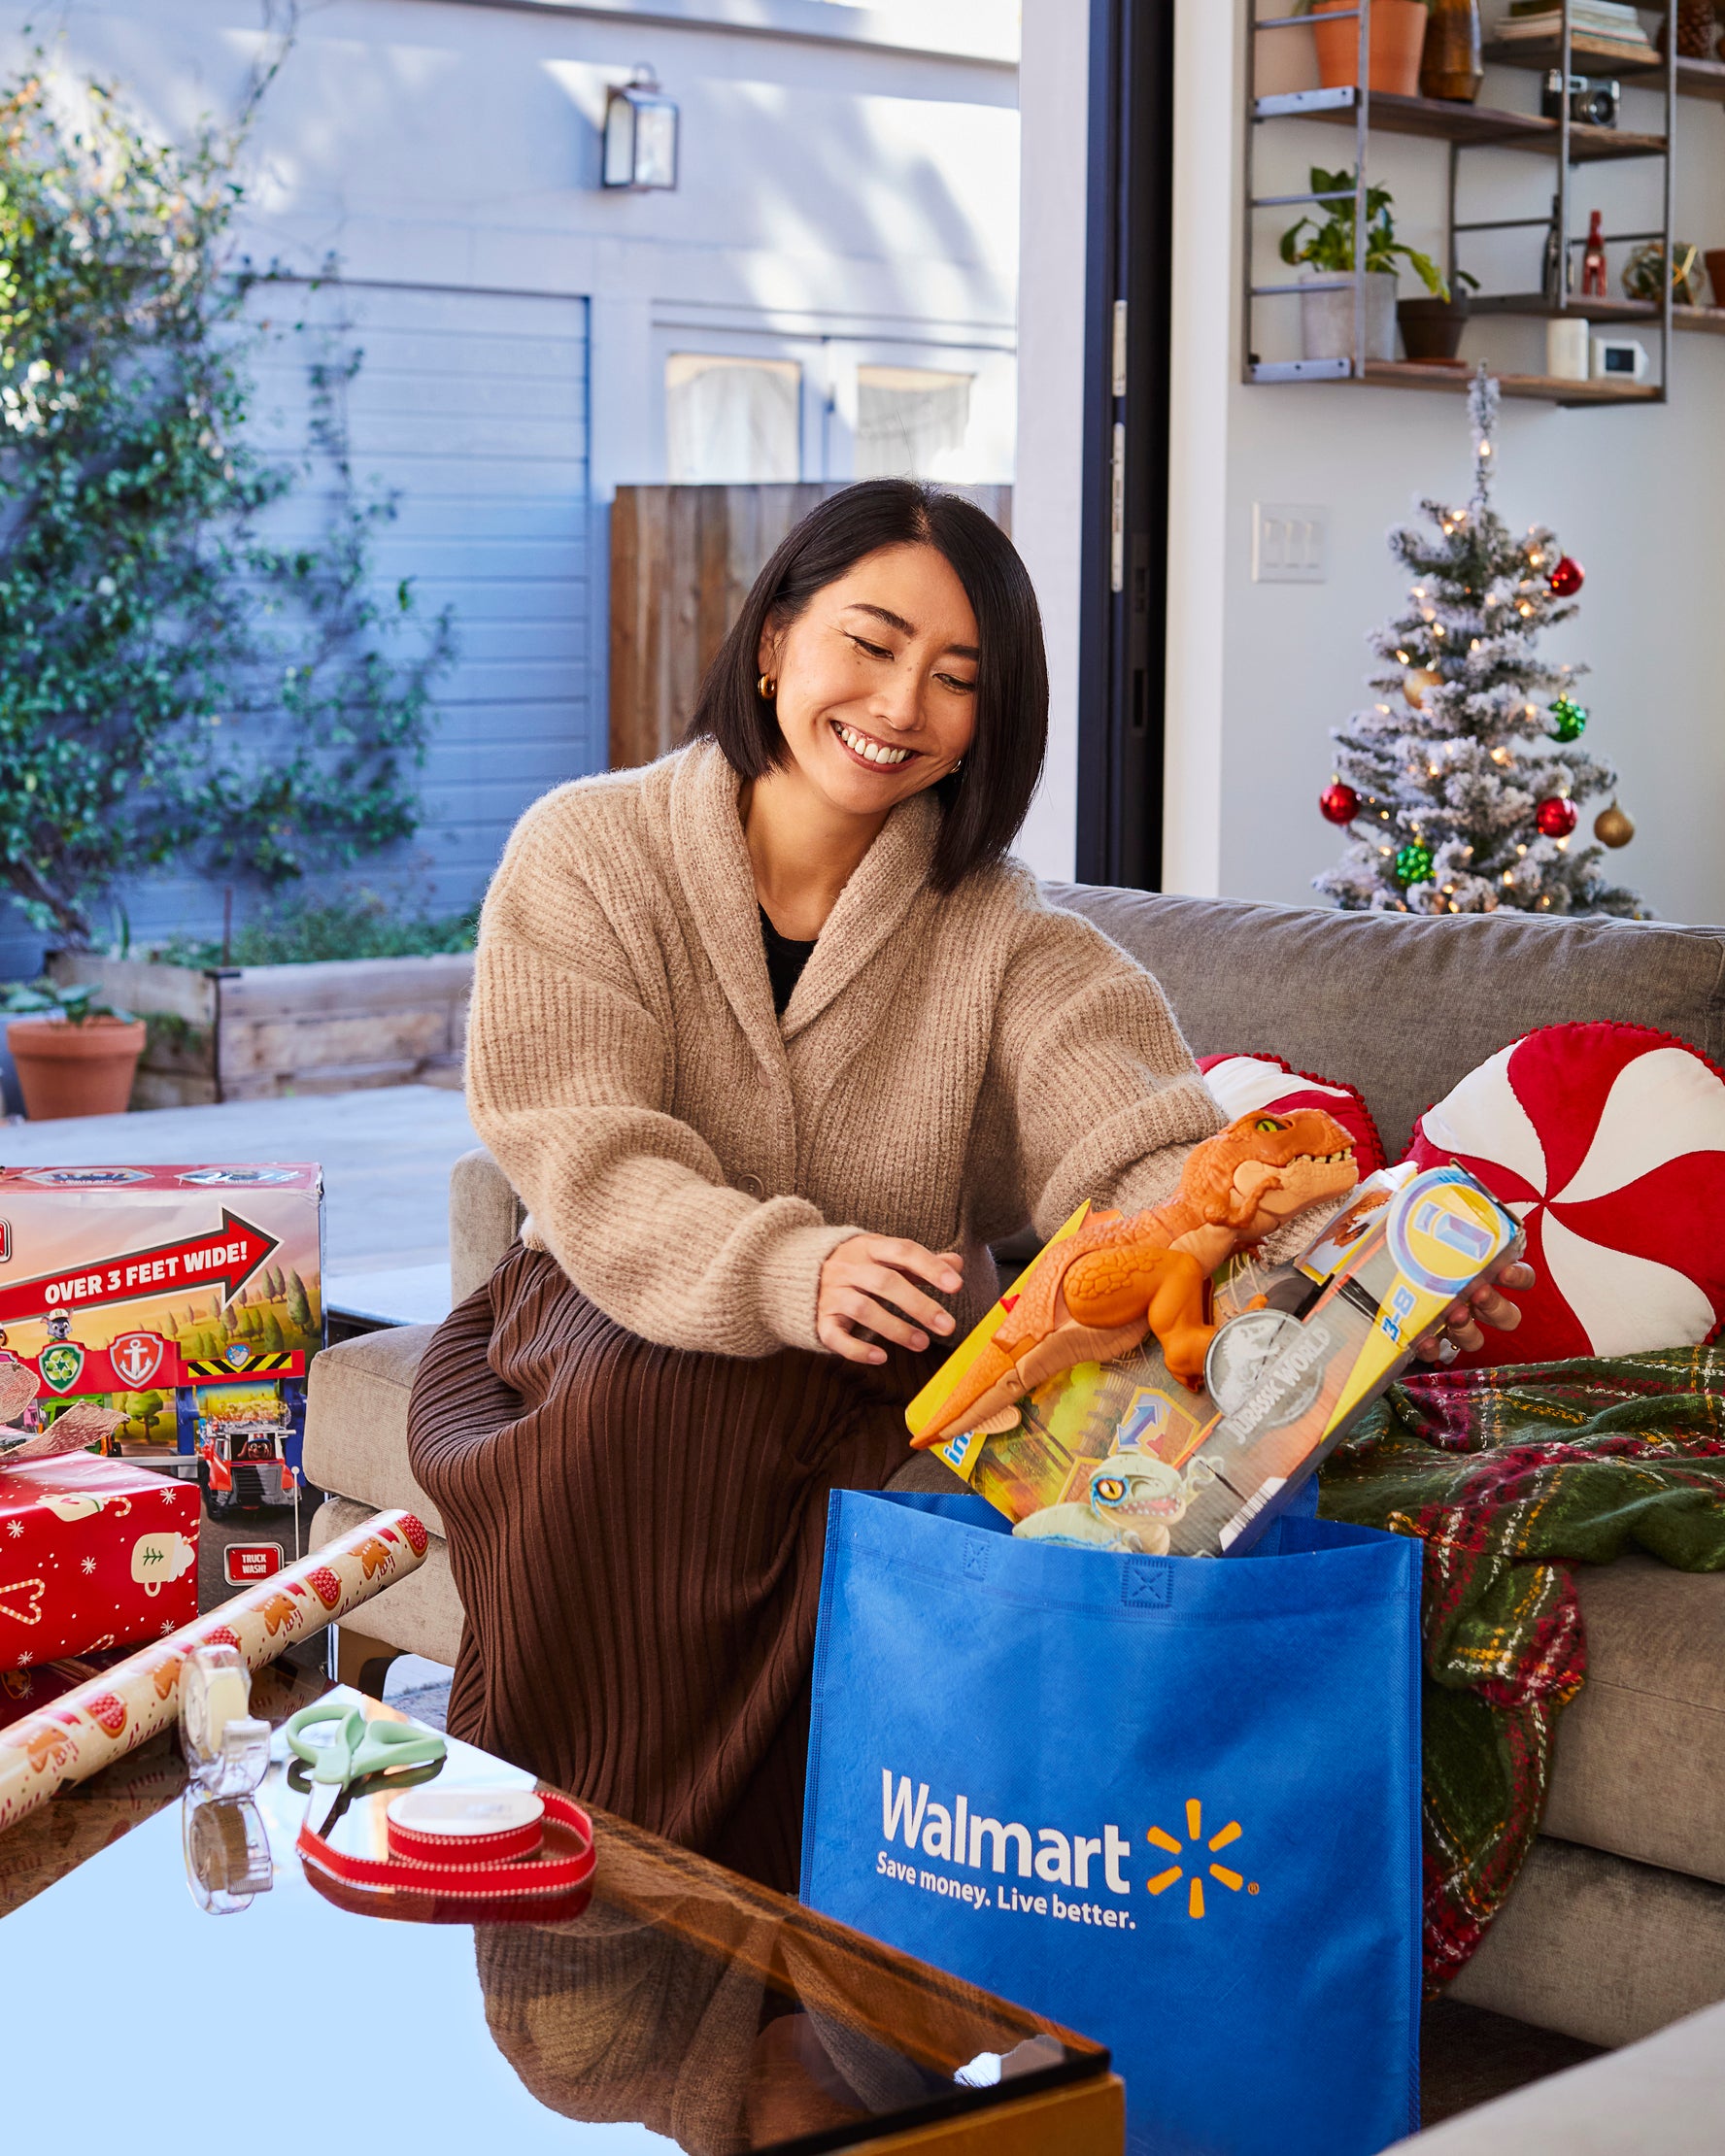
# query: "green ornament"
{"type": "Point", "coordinates": [1568, 719]}
{"type": "Point", "coordinates": [1413, 864]}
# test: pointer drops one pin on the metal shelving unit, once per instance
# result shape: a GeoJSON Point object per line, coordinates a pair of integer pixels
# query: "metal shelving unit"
{"type": "Point", "coordinates": [1463, 128]}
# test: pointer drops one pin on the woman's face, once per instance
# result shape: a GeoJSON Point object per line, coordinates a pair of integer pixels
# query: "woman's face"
{"type": "Point", "coordinates": [877, 680]}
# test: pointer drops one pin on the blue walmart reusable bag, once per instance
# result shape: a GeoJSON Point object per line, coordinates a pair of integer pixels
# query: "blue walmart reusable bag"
{"type": "Point", "coordinates": [1171, 1803]}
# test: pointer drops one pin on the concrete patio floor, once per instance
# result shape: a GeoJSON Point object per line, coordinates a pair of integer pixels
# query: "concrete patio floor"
{"type": "Point", "coordinates": [385, 1154]}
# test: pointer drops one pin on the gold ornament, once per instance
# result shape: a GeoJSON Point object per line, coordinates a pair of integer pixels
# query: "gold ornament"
{"type": "Point", "coordinates": [1415, 685]}
{"type": "Point", "coordinates": [1612, 828]}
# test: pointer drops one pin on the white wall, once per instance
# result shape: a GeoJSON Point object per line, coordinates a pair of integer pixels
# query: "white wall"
{"type": "Point", "coordinates": [1257, 673]}
{"type": "Point", "coordinates": [1047, 520]}
{"type": "Point", "coordinates": [849, 186]}
{"type": "Point", "coordinates": [1636, 494]}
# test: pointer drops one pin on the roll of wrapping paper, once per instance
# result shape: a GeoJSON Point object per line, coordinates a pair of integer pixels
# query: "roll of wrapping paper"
{"type": "Point", "coordinates": [88, 1729]}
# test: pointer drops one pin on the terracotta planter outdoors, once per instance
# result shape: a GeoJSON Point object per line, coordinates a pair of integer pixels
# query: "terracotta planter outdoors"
{"type": "Point", "coordinates": [75, 1071]}
{"type": "Point", "coordinates": [1398, 40]}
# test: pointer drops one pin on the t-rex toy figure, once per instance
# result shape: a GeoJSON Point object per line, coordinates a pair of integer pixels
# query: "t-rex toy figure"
{"type": "Point", "coordinates": [1095, 1294]}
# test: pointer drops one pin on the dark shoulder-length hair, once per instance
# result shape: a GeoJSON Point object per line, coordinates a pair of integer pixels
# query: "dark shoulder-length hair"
{"type": "Point", "coordinates": [984, 801]}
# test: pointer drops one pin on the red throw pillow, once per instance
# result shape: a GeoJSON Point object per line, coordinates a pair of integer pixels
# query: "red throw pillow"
{"type": "Point", "coordinates": [1244, 1084]}
{"type": "Point", "coordinates": [1608, 1142]}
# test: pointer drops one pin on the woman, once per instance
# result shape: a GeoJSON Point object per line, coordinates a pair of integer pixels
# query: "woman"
{"type": "Point", "coordinates": [773, 1041]}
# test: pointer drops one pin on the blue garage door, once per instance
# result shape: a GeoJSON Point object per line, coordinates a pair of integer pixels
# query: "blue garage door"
{"type": "Point", "coordinates": [472, 407]}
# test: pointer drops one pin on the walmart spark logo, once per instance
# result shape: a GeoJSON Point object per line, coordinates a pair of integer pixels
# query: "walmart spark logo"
{"type": "Point", "coordinates": [1220, 1872]}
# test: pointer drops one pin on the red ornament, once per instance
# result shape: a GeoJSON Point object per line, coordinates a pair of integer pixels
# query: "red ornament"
{"type": "Point", "coordinates": [1340, 803]}
{"type": "Point", "coordinates": [1556, 818]}
{"type": "Point", "coordinates": [1565, 579]}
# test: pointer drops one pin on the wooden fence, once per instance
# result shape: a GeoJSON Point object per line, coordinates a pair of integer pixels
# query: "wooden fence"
{"type": "Point", "coordinates": [682, 562]}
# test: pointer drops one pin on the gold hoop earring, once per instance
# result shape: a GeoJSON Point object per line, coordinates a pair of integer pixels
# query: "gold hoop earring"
{"type": "Point", "coordinates": [767, 686]}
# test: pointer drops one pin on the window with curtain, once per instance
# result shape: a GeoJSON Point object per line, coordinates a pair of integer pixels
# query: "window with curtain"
{"type": "Point", "coordinates": [729, 422]}
{"type": "Point", "coordinates": [911, 423]}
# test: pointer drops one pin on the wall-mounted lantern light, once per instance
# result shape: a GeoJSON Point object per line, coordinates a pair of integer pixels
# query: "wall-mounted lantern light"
{"type": "Point", "coordinates": [640, 134]}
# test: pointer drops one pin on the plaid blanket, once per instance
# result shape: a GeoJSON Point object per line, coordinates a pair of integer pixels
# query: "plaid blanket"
{"type": "Point", "coordinates": [1510, 1477]}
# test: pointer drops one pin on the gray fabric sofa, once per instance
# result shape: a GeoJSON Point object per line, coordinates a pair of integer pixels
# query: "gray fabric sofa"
{"type": "Point", "coordinates": [1617, 1924]}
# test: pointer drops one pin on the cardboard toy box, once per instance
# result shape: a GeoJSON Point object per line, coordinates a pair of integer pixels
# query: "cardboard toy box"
{"type": "Point", "coordinates": [1123, 1456]}
{"type": "Point", "coordinates": [187, 1296]}
{"type": "Point", "coordinates": [93, 1554]}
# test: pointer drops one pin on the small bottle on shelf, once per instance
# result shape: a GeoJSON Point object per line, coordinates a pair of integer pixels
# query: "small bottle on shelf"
{"type": "Point", "coordinates": [1556, 279]}
{"type": "Point", "coordinates": [1593, 262]}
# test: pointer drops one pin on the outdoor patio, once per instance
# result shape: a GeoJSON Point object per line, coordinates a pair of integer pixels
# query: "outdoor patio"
{"type": "Point", "coordinates": [386, 1156]}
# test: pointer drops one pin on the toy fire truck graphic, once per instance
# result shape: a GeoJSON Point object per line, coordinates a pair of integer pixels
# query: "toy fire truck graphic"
{"type": "Point", "coordinates": [241, 1455]}
{"type": "Point", "coordinates": [186, 1297]}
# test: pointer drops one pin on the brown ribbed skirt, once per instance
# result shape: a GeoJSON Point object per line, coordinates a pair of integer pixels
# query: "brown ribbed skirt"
{"type": "Point", "coordinates": [636, 1536]}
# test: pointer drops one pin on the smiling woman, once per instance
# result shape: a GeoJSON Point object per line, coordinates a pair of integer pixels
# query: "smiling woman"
{"type": "Point", "coordinates": [774, 1041]}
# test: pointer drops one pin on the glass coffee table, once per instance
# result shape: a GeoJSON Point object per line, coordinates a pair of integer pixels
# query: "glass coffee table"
{"type": "Point", "coordinates": [681, 2007]}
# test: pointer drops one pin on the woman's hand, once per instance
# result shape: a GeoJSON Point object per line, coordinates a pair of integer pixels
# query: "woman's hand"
{"type": "Point", "coordinates": [866, 1283]}
{"type": "Point", "coordinates": [1484, 1304]}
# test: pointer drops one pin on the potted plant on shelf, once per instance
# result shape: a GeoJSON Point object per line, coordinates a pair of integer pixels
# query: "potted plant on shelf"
{"type": "Point", "coordinates": [76, 1053]}
{"type": "Point", "coordinates": [1398, 40]}
{"type": "Point", "coordinates": [1327, 317]}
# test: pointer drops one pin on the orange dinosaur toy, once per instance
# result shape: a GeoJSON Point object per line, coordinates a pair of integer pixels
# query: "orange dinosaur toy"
{"type": "Point", "coordinates": [1095, 1294]}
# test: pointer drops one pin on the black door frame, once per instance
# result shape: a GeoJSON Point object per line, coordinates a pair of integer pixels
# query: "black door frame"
{"type": "Point", "coordinates": [1123, 624]}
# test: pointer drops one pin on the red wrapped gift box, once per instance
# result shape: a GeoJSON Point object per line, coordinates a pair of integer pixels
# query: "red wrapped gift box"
{"type": "Point", "coordinates": [93, 1554]}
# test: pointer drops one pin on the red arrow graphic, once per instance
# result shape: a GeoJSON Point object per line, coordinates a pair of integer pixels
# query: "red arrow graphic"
{"type": "Point", "coordinates": [229, 1253]}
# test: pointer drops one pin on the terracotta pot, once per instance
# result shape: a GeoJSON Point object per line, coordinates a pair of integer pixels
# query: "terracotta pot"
{"type": "Point", "coordinates": [1398, 39]}
{"type": "Point", "coordinates": [1432, 328]}
{"type": "Point", "coordinates": [1451, 66]}
{"type": "Point", "coordinates": [75, 1071]}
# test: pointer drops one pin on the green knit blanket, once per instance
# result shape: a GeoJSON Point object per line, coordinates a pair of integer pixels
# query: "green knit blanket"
{"type": "Point", "coordinates": [1510, 1477]}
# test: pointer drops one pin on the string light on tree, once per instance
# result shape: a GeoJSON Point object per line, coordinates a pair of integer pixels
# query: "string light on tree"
{"type": "Point", "coordinates": [1468, 763]}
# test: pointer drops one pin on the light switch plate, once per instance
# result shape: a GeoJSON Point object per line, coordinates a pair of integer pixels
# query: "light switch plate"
{"type": "Point", "coordinates": [1288, 542]}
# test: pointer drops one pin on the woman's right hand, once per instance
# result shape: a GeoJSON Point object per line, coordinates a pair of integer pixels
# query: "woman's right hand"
{"type": "Point", "coordinates": [868, 1281]}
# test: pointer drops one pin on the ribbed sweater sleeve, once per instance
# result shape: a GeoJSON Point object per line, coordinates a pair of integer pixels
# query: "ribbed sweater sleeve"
{"type": "Point", "coordinates": [1104, 1095]}
{"type": "Point", "coordinates": [568, 1073]}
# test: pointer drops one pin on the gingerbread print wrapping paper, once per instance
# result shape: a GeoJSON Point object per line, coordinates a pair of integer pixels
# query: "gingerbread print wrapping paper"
{"type": "Point", "coordinates": [93, 1554]}
{"type": "Point", "coordinates": [125, 1706]}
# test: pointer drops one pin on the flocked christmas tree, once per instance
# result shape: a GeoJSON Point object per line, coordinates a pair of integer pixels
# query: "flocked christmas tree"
{"type": "Point", "coordinates": [1459, 789]}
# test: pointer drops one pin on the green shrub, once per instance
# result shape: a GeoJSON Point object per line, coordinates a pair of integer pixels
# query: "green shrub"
{"type": "Point", "coordinates": [300, 931]}
{"type": "Point", "coordinates": [173, 686]}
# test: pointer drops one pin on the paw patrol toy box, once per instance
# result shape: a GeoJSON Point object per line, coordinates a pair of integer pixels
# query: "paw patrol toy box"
{"type": "Point", "coordinates": [1115, 1452]}
{"type": "Point", "coordinates": [187, 1300]}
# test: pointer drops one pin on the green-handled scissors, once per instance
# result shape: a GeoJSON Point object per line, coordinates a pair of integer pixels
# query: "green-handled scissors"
{"type": "Point", "coordinates": [342, 1749]}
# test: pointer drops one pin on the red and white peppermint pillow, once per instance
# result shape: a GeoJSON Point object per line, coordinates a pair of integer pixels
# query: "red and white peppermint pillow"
{"type": "Point", "coordinates": [1244, 1085]}
{"type": "Point", "coordinates": [1607, 1143]}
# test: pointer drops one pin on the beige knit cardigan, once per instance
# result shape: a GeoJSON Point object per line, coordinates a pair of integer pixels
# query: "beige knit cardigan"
{"type": "Point", "coordinates": [948, 1068]}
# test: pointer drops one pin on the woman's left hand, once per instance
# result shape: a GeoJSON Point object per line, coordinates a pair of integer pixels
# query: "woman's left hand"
{"type": "Point", "coordinates": [1485, 1304]}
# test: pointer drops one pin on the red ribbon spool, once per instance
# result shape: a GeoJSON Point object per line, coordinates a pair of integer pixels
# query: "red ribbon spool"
{"type": "Point", "coordinates": [508, 1865]}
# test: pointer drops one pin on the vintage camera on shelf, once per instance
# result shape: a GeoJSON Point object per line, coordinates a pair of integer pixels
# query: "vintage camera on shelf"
{"type": "Point", "coordinates": [1592, 103]}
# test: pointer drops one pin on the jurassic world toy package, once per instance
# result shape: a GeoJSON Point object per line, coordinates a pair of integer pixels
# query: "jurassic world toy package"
{"type": "Point", "coordinates": [1140, 1404]}
{"type": "Point", "coordinates": [186, 1302]}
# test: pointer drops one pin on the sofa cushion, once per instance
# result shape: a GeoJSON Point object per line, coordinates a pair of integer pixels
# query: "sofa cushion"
{"type": "Point", "coordinates": [420, 1614]}
{"type": "Point", "coordinates": [1599, 1947]}
{"type": "Point", "coordinates": [355, 1441]}
{"type": "Point", "coordinates": [485, 1219]}
{"type": "Point", "coordinates": [1639, 1763]}
{"type": "Point", "coordinates": [1402, 1006]}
